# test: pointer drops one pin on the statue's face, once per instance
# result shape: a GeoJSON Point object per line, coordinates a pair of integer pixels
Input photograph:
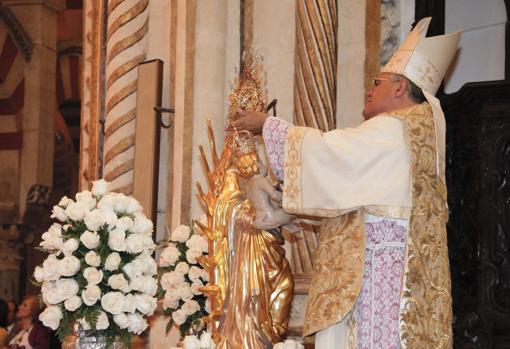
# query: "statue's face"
{"type": "Point", "coordinates": [247, 165]}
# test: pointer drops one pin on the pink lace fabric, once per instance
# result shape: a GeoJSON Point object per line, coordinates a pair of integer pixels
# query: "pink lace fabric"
{"type": "Point", "coordinates": [379, 301]}
{"type": "Point", "coordinates": [274, 134]}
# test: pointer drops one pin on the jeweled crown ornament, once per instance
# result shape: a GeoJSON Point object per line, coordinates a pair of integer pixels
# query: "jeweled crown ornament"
{"type": "Point", "coordinates": [249, 91]}
{"type": "Point", "coordinates": [423, 60]}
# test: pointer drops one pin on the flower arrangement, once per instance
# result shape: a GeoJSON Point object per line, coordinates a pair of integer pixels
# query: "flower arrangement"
{"type": "Point", "coordinates": [181, 278]}
{"type": "Point", "coordinates": [100, 272]}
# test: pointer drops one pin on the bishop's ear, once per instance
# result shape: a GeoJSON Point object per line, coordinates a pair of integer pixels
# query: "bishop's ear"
{"type": "Point", "coordinates": [400, 88]}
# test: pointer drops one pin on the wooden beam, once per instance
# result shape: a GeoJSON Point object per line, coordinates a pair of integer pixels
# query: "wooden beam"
{"type": "Point", "coordinates": [147, 136]}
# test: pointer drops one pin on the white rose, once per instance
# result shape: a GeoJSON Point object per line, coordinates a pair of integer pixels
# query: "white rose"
{"type": "Point", "coordinates": [133, 269]}
{"type": "Point", "coordinates": [112, 261]}
{"type": "Point", "coordinates": [91, 294]}
{"type": "Point", "coordinates": [198, 242]}
{"type": "Point", "coordinates": [93, 259]}
{"type": "Point", "coordinates": [195, 273]}
{"type": "Point", "coordinates": [107, 202]}
{"type": "Point", "coordinates": [90, 239]}
{"type": "Point", "coordinates": [68, 266]}
{"type": "Point", "coordinates": [99, 187]}
{"type": "Point", "coordinates": [51, 317]}
{"type": "Point", "coordinates": [59, 213]}
{"type": "Point", "coordinates": [171, 279]}
{"type": "Point", "coordinates": [66, 288]}
{"type": "Point", "coordinates": [129, 305]}
{"type": "Point", "coordinates": [184, 291]}
{"type": "Point", "coordinates": [64, 201]}
{"type": "Point", "coordinates": [195, 287]}
{"type": "Point", "coordinates": [113, 302]}
{"type": "Point", "coordinates": [110, 218]}
{"type": "Point", "coordinates": [39, 274]}
{"type": "Point", "coordinates": [192, 254]}
{"type": "Point", "coordinates": [137, 324]}
{"type": "Point", "coordinates": [190, 307]}
{"type": "Point", "coordinates": [145, 284]}
{"type": "Point", "coordinates": [181, 233]}
{"type": "Point", "coordinates": [102, 322]}
{"type": "Point", "coordinates": [121, 320]}
{"type": "Point", "coordinates": [120, 203]}
{"type": "Point", "coordinates": [119, 282]}
{"type": "Point", "coordinates": [49, 293]}
{"type": "Point", "coordinates": [73, 303]}
{"type": "Point", "coordinates": [182, 267]}
{"type": "Point", "coordinates": [171, 300]}
{"type": "Point", "coordinates": [124, 223]}
{"type": "Point", "coordinates": [132, 205]}
{"type": "Point", "coordinates": [51, 267]}
{"type": "Point", "coordinates": [207, 305]}
{"type": "Point", "coordinates": [142, 225]}
{"type": "Point", "coordinates": [149, 264]}
{"type": "Point", "coordinates": [93, 275]}
{"type": "Point", "coordinates": [150, 286]}
{"type": "Point", "coordinates": [179, 317]}
{"type": "Point", "coordinates": [86, 198]}
{"type": "Point", "coordinates": [147, 243]}
{"type": "Point", "coordinates": [205, 275]}
{"type": "Point", "coordinates": [70, 246]}
{"type": "Point", "coordinates": [94, 219]}
{"type": "Point", "coordinates": [145, 304]}
{"type": "Point", "coordinates": [77, 210]}
{"type": "Point", "coordinates": [169, 256]}
{"type": "Point", "coordinates": [52, 239]}
{"type": "Point", "coordinates": [134, 243]}
{"type": "Point", "coordinates": [116, 240]}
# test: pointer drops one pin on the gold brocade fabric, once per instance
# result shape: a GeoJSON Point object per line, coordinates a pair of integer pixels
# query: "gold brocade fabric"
{"type": "Point", "coordinates": [426, 309]}
{"type": "Point", "coordinates": [338, 271]}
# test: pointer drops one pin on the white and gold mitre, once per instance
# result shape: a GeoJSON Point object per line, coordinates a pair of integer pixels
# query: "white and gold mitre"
{"type": "Point", "coordinates": [423, 60]}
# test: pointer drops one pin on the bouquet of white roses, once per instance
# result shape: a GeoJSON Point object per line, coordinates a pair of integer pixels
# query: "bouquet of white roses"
{"type": "Point", "coordinates": [100, 272]}
{"type": "Point", "coordinates": [181, 278]}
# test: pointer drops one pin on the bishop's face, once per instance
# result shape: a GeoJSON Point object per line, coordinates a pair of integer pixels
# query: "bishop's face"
{"type": "Point", "coordinates": [380, 97]}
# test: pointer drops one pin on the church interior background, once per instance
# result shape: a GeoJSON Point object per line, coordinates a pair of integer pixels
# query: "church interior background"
{"type": "Point", "coordinates": [79, 80]}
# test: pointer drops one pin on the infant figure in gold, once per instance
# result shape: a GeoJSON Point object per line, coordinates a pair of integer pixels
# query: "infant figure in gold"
{"type": "Point", "coordinates": [251, 284]}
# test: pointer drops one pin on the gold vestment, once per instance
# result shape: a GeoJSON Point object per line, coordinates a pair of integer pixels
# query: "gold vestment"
{"type": "Point", "coordinates": [425, 312]}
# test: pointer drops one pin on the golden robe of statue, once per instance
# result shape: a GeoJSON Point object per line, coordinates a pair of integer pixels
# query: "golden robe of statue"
{"type": "Point", "coordinates": [251, 284]}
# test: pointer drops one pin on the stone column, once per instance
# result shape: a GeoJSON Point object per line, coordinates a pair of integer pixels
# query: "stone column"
{"type": "Point", "coordinates": [316, 63]}
{"type": "Point", "coordinates": [128, 24]}
{"type": "Point", "coordinates": [39, 18]}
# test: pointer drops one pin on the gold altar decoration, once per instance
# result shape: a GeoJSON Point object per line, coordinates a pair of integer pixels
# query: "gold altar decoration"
{"type": "Point", "coordinates": [251, 284]}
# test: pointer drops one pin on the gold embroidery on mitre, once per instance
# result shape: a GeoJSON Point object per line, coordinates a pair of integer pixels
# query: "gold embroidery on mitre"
{"type": "Point", "coordinates": [426, 309]}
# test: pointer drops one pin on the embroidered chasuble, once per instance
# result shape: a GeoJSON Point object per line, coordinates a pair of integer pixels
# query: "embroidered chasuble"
{"type": "Point", "coordinates": [381, 258]}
